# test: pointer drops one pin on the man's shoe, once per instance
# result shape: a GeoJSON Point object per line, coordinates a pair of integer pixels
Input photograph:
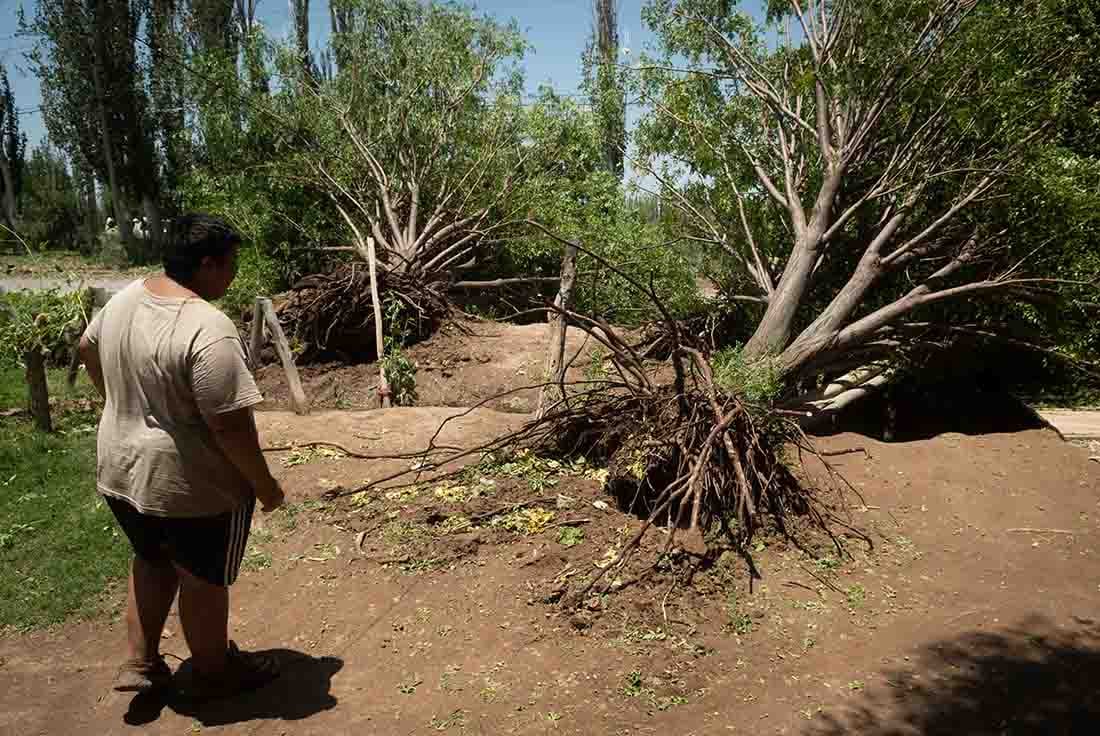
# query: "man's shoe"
{"type": "Point", "coordinates": [140, 676]}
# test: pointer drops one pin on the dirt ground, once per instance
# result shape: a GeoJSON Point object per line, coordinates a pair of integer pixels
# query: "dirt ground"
{"type": "Point", "coordinates": [967, 599]}
{"type": "Point", "coordinates": [466, 362]}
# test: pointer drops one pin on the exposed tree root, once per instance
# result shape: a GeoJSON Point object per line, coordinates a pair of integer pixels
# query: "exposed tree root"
{"type": "Point", "coordinates": [332, 314]}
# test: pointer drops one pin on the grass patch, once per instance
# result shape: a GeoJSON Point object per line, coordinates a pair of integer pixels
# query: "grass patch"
{"type": "Point", "coordinates": [59, 544]}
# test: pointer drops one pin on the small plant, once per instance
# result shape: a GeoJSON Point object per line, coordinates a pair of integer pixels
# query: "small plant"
{"type": "Point", "coordinates": [400, 374]}
{"type": "Point", "coordinates": [570, 536]}
{"type": "Point", "coordinates": [256, 559]}
{"type": "Point", "coordinates": [456, 492]}
{"type": "Point", "coordinates": [596, 369]}
{"type": "Point", "coordinates": [633, 687]}
{"type": "Point", "coordinates": [856, 595]}
{"type": "Point", "coordinates": [303, 455]}
{"type": "Point", "coordinates": [525, 521]}
{"type": "Point", "coordinates": [454, 524]}
{"type": "Point", "coordinates": [741, 624]}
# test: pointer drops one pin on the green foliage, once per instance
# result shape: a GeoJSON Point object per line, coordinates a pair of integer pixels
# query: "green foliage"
{"type": "Point", "coordinates": [59, 544]}
{"type": "Point", "coordinates": [51, 212]}
{"type": "Point", "coordinates": [578, 200]}
{"type": "Point", "coordinates": [532, 520]}
{"type": "Point", "coordinates": [400, 373]}
{"type": "Point", "coordinates": [570, 536]}
{"type": "Point", "coordinates": [37, 320]}
{"type": "Point", "coordinates": [1023, 67]}
{"type": "Point", "coordinates": [758, 382]}
{"type": "Point", "coordinates": [257, 275]}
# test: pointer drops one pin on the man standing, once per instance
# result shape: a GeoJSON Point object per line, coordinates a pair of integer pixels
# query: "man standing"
{"type": "Point", "coordinates": [179, 461]}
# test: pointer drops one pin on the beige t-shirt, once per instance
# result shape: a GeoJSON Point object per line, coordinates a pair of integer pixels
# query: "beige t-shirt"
{"type": "Point", "coordinates": [165, 362]}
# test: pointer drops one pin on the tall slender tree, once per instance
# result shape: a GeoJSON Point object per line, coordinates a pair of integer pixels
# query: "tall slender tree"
{"type": "Point", "coordinates": [167, 88]}
{"type": "Point", "coordinates": [13, 147]}
{"type": "Point", "coordinates": [299, 11]}
{"type": "Point", "coordinates": [605, 83]}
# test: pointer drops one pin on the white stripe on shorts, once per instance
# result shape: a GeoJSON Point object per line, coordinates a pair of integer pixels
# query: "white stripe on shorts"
{"type": "Point", "coordinates": [235, 550]}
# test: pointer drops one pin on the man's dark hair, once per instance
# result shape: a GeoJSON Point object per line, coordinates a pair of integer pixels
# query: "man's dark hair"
{"type": "Point", "coordinates": [192, 237]}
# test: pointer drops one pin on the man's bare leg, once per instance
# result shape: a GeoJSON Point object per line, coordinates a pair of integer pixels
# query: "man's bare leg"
{"type": "Point", "coordinates": [152, 589]}
{"type": "Point", "coordinates": [204, 613]}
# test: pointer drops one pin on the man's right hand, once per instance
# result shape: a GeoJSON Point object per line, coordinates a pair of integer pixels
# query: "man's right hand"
{"type": "Point", "coordinates": [272, 498]}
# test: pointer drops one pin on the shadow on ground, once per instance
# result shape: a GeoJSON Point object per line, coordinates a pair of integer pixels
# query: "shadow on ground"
{"type": "Point", "coordinates": [1032, 679]}
{"type": "Point", "coordinates": [302, 690]}
{"type": "Point", "coordinates": [914, 417]}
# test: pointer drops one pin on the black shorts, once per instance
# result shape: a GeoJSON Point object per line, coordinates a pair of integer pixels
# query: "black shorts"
{"type": "Point", "coordinates": [208, 547]}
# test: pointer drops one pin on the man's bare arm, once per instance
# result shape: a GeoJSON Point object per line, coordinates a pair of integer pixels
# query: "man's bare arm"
{"type": "Point", "coordinates": [89, 355]}
{"type": "Point", "coordinates": [235, 432]}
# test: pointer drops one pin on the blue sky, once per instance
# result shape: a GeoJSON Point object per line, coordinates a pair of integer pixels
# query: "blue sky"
{"type": "Point", "coordinates": [557, 29]}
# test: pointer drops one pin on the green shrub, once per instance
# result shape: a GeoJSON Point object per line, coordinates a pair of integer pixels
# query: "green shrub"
{"type": "Point", "coordinates": [38, 320]}
{"type": "Point", "coordinates": [400, 373]}
{"type": "Point", "coordinates": [758, 382]}
{"type": "Point", "coordinates": [257, 275]}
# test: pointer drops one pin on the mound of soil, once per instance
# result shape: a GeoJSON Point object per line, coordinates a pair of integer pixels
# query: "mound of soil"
{"type": "Point", "coordinates": [463, 364]}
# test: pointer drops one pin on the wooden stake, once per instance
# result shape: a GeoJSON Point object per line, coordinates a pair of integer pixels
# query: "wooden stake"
{"type": "Point", "coordinates": [37, 390]}
{"type": "Point", "coordinates": [366, 247]}
{"type": "Point", "coordinates": [282, 347]}
{"type": "Point", "coordinates": [555, 351]}
{"type": "Point", "coordinates": [257, 334]}
{"type": "Point", "coordinates": [95, 298]}
{"type": "Point", "coordinates": [383, 384]}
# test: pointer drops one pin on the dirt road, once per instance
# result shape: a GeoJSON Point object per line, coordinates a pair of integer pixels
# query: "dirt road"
{"type": "Point", "coordinates": [17, 283]}
{"type": "Point", "coordinates": [1074, 424]}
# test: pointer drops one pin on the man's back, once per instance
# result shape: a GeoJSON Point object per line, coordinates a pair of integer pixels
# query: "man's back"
{"type": "Point", "coordinates": [165, 361]}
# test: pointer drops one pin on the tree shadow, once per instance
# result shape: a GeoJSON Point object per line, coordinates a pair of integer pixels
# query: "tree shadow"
{"type": "Point", "coordinates": [910, 416]}
{"type": "Point", "coordinates": [1032, 679]}
{"type": "Point", "coordinates": [301, 691]}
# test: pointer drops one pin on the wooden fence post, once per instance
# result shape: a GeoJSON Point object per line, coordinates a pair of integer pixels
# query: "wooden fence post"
{"type": "Point", "coordinates": [37, 390]}
{"type": "Point", "coordinates": [282, 347]}
{"type": "Point", "coordinates": [383, 382]}
{"type": "Point", "coordinates": [95, 298]}
{"type": "Point", "coordinates": [365, 246]}
{"type": "Point", "coordinates": [557, 324]}
{"type": "Point", "coordinates": [257, 334]}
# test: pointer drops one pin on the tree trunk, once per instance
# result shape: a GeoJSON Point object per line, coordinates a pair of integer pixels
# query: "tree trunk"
{"type": "Point", "coordinates": [37, 391]}
{"type": "Point", "coordinates": [122, 217]}
{"type": "Point", "coordinates": [774, 331]}
{"type": "Point", "coordinates": [9, 190]}
{"type": "Point", "coordinates": [91, 215]}
{"type": "Point", "coordinates": [611, 97]}
{"type": "Point", "coordinates": [299, 10]}
{"type": "Point", "coordinates": [153, 227]}
{"type": "Point", "coordinates": [555, 352]}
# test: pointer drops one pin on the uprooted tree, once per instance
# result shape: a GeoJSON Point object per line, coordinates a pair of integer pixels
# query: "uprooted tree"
{"type": "Point", "coordinates": [857, 179]}
{"type": "Point", "coordinates": [422, 146]}
{"type": "Point", "coordinates": [857, 172]}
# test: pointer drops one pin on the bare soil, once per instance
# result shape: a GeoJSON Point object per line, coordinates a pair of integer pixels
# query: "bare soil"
{"type": "Point", "coordinates": [966, 601]}
{"type": "Point", "coordinates": [465, 363]}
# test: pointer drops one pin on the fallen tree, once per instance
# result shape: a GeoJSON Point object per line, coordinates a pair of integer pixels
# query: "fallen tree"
{"type": "Point", "coordinates": [856, 173]}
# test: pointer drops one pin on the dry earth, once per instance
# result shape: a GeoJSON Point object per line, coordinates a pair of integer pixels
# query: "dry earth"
{"type": "Point", "coordinates": [973, 609]}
